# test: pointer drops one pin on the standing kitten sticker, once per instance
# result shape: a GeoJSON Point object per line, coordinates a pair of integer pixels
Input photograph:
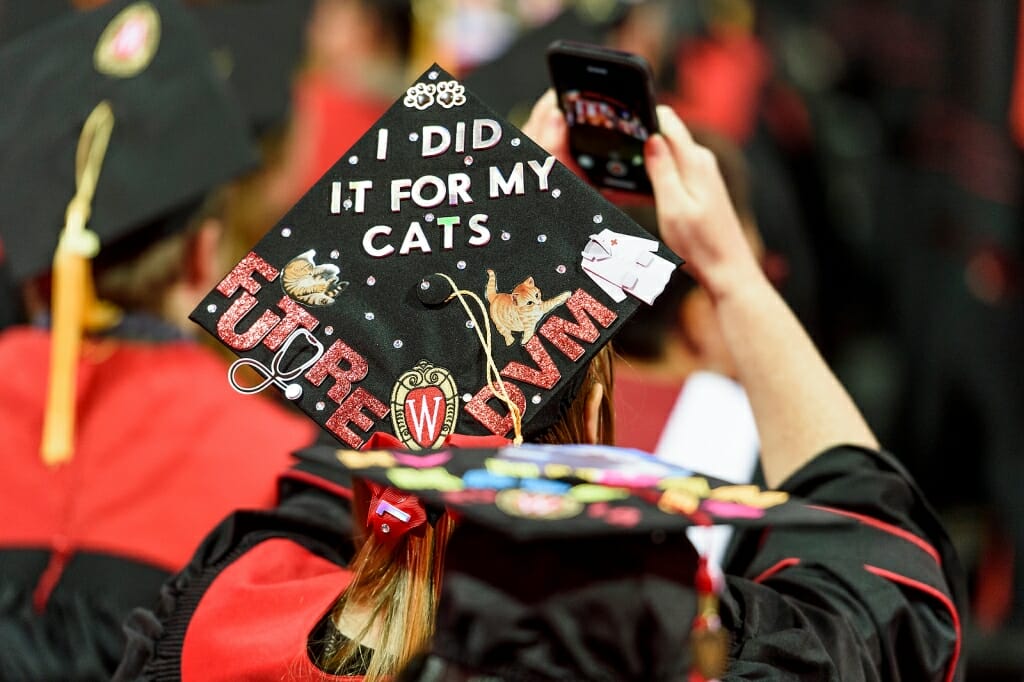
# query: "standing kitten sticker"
{"type": "Point", "coordinates": [520, 310]}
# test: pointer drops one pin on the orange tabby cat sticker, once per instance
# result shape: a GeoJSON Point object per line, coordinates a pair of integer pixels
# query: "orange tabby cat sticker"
{"type": "Point", "coordinates": [520, 310]}
{"type": "Point", "coordinates": [424, 405]}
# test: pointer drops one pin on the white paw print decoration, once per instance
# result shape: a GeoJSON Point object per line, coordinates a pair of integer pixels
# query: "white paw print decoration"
{"type": "Point", "coordinates": [451, 94]}
{"type": "Point", "coordinates": [420, 95]}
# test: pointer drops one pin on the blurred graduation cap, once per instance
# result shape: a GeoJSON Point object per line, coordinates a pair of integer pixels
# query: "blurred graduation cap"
{"type": "Point", "coordinates": [433, 281]}
{"type": "Point", "coordinates": [258, 45]}
{"type": "Point", "coordinates": [568, 561]}
{"type": "Point", "coordinates": [120, 124]}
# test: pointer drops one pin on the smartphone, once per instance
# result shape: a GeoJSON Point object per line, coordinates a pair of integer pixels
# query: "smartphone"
{"type": "Point", "coordinates": [607, 97]}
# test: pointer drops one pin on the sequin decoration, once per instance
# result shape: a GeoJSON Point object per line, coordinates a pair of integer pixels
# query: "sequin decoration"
{"type": "Point", "coordinates": [560, 331]}
{"type": "Point", "coordinates": [212, 308]}
{"type": "Point", "coordinates": [369, 316]}
{"type": "Point", "coordinates": [544, 375]}
{"type": "Point", "coordinates": [242, 275]}
{"type": "Point", "coordinates": [371, 280]}
{"type": "Point", "coordinates": [232, 316]}
{"type": "Point", "coordinates": [498, 424]}
{"type": "Point", "coordinates": [286, 232]}
{"type": "Point", "coordinates": [397, 343]}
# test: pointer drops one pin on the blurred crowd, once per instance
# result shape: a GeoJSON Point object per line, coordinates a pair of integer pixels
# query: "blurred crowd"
{"type": "Point", "coordinates": [881, 142]}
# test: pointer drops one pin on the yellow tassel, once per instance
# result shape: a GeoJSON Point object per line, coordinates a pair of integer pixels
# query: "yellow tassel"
{"type": "Point", "coordinates": [74, 306]}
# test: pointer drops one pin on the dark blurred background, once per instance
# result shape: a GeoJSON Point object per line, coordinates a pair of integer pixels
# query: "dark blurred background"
{"type": "Point", "coordinates": [884, 141]}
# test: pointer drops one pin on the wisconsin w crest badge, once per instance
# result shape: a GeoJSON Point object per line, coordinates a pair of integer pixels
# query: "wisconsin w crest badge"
{"type": "Point", "coordinates": [424, 405]}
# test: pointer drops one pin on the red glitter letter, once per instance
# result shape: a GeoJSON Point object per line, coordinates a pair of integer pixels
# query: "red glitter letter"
{"type": "Point", "coordinates": [557, 330]}
{"type": "Point", "coordinates": [350, 412]}
{"type": "Point", "coordinates": [233, 315]}
{"type": "Point", "coordinates": [295, 315]}
{"type": "Point", "coordinates": [241, 275]}
{"type": "Point", "coordinates": [545, 377]}
{"type": "Point", "coordinates": [343, 378]}
{"type": "Point", "coordinates": [485, 414]}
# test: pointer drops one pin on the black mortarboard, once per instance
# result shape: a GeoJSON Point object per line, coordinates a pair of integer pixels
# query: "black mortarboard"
{"type": "Point", "coordinates": [371, 303]}
{"type": "Point", "coordinates": [177, 133]}
{"type": "Point", "coordinates": [258, 45]}
{"type": "Point", "coordinates": [567, 561]}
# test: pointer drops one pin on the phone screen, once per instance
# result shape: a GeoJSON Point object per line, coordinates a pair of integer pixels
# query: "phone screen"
{"type": "Point", "coordinates": [607, 100]}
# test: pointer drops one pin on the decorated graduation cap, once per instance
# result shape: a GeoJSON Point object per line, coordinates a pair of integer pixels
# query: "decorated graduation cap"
{"type": "Point", "coordinates": [568, 561]}
{"type": "Point", "coordinates": [445, 276]}
{"type": "Point", "coordinates": [258, 45]}
{"type": "Point", "coordinates": [115, 123]}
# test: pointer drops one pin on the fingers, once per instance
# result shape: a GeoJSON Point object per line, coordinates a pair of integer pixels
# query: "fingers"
{"type": "Point", "coordinates": [546, 125]}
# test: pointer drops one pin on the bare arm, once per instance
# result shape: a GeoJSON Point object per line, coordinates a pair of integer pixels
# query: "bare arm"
{"type": "Point", "coordinates": [800, 407]}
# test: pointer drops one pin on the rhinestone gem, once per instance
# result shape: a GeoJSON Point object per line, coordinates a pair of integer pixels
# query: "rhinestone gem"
{"type": "Point", "coordinates": [371, 280]}
{"type": "Point", "coordinates": [369, 316]}
{"type": "Point", "coordinates": [598, 218]}
{"type": "Point", "coordinates": [353, 159]}
{"type": "Point", "coordinates": [329, 330]}
{"type": "Point", "coordinates": [335, 253]}
{"type": "Point", "coordinates": [429, 217]}
{"type": "Point", "coordinates": [469, 324]}
{"type": "Point", "coordinates": [321, 405]}
{"type": "Point", "coordinates": [461, 265]}
{"type": "Point", "coordinates": [397, 343]}
{"type": "Point", "coordinates": [468, 160]}
{"type": "Point", "coordinates": [347, 204]}
{"type": "Point", "coordinates": [466, 397]}
{"type": "Point", "coordinates": [560, 269]}
{"type": "Point", "coordinates": [424, 285]}
{"type": "Point", "coordinates": [385, 528]}
{"type": "Point", "coordinates": [432, 75]}
{"type": "Point", "coordinates": [212, 308]}
{"type": "Point", "coordinates": [515, 141]}
{"type": "Point", "coordinates": [286, 232]}
{"type": "Point", "coordinates": [413, 137]}
{"type": "Point", "coordinates": [541, 238]}
{"type": "Point", "coordinates": [535, 399]}
{"type": "Point", "coordinates": [556, 193]}
{"type": "Point", "coordinates": [505, 236]}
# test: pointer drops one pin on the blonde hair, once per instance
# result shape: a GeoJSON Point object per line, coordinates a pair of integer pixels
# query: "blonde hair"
{"type": "Point", "coordinates": [400, 585]}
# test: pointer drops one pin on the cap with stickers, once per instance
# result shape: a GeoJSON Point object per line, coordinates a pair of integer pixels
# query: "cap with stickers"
{"type": "Point", "coordinates": [445, 276]}
{"type": "Point", "coordinates": [550, 536]}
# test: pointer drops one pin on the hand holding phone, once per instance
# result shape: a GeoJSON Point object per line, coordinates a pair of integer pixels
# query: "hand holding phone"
{"type": "Point", "coordinates": [607, 98]}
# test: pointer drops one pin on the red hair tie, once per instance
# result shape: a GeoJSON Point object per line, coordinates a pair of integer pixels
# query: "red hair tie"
{"type": "Point", "coordinates": [393, 513]}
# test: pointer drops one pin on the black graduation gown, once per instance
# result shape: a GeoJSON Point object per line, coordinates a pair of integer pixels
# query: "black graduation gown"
{"type": "Point", "coordinates": [880, 601]}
